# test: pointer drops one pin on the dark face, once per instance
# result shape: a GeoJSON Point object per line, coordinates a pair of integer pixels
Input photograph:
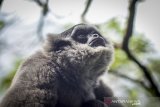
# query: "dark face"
{"type": "Point", "coordinates": [88, 35]}
{"type": "Point", "coordinates": [80, 34]}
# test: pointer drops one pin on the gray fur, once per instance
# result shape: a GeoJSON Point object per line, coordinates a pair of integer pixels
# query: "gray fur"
{"type": "Point", "coordinates": [65, 78]}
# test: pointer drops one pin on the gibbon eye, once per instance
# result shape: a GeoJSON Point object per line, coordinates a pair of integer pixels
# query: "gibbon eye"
{"type": "Point", "coordinates": [80, 37]}
{"type": "Point", "coordinates": [60, 44]}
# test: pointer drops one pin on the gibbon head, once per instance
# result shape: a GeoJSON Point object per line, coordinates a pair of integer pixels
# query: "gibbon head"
{"type": "Point", "coordinates": [80, 49]}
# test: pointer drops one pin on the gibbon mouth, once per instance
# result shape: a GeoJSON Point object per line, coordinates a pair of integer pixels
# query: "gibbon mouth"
{"type": "Point", "coordinates": [97, 42]}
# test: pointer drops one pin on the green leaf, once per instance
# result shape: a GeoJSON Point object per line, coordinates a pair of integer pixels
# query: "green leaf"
{"type": "Point", "coordinates": [2, 24]}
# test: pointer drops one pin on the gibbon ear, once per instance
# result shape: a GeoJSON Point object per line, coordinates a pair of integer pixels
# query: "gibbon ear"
{"type": "Point", "coordinates": [55, 43]}
{"type": "Point", "coordinates": [51, 37]}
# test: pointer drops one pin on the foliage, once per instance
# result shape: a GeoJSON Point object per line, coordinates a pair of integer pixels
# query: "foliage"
{"type": "Point", "coordinates": [155, 64]}
{"type": "Point", "coordinates": [120, 57]}
{"type": "Point", "coordinates": [115, 24]}
{"type": "Point", "coordinates": [2, 24]}
{"type": "Point", "coordinates": [140, 45]}
{"type": "Point", "coordinates": [6, 81]}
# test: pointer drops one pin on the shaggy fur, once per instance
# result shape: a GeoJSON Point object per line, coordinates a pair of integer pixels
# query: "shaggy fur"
{"type": "Point", "coordinates": [61, 78]}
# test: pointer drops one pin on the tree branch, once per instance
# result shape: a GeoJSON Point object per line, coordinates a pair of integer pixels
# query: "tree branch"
{"type": "Point", "coordinates": [1, 2]}
{"type": "Point", "coordinates": [125, 47]}
{"type": "Point", "coordinates": [86, 10]}
{"type": "Point", "coordinates": [45, 10]}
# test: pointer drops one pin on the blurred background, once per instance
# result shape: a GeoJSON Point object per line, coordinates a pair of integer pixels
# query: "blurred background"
{"type": "Point", "coordinates": [132, 25]}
